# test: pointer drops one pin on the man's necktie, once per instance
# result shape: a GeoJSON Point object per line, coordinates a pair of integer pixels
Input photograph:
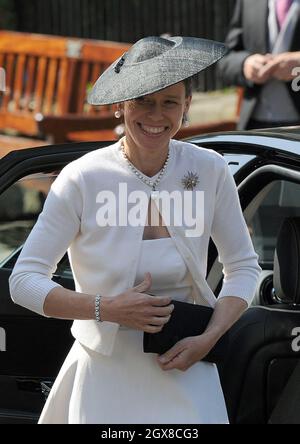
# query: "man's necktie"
{"type": "Point", "coordinates": [282, 9]}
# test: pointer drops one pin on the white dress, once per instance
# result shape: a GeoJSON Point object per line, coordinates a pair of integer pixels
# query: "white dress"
{"type": "Point", "coordinates": [129, 387]}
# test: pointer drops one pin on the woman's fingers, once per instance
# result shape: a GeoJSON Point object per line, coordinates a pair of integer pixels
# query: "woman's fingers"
{"type": "Point", "coordinates": [137, 308]}
{"type": "Point", "coordinates": [164, 311]}
{"type": "Point", "coordinates": [160, 301]}
{"type": "Point", "coordinates": [152, 328]}
{"type": "Point", "coordinates": [156, 323]}
{"type": "Point", "coordinates": [159, 320]}
{"type": "Point", "coordinates": [145, 286]}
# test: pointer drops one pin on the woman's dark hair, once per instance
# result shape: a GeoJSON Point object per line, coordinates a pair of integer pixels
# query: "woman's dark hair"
{"type": "Point", "coordinates": [188, 83]}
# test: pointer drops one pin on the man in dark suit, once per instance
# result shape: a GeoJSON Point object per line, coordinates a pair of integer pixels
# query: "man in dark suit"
{"type": "Point", "coordinates": [264, 58]}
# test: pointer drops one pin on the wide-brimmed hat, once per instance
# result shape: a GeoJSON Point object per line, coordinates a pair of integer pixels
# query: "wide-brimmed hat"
{"type": "Point", "coordinates": [152, 64]}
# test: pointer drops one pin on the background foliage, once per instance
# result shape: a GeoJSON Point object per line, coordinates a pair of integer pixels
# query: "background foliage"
{"type": "Point", "coordinates": [7, 14]}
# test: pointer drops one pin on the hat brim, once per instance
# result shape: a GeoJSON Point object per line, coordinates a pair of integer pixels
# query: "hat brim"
{"type": "Point", "coordinates": [187, 57]}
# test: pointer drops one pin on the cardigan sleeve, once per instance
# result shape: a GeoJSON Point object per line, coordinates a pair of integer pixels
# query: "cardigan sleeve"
{"type": "Point", "coordinates": [56, 227]}
{"type": "Point", "coordinates": [232, 239]}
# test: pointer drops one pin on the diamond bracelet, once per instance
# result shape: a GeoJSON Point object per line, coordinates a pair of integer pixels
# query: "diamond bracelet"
{"type": "Point", "coordinates": [97, 308]}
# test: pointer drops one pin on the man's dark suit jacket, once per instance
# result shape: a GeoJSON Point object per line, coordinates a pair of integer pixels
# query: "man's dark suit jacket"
{"type": "Point", "coordinates": [248, 34]}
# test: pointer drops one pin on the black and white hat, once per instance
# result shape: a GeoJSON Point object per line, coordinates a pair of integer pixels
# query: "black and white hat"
{"type": "Point", "coordinates": [152, 64]}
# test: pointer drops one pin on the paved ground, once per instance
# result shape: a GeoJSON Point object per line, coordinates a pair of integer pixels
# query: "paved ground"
{"type": "Point", "coordinates": [216, 105]}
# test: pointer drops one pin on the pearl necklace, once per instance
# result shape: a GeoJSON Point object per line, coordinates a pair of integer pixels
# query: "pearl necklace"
{"type": "Point", "coordinates": [149, 182]}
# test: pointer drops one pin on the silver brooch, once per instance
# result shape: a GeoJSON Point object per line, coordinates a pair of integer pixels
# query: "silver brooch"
{"type": "Point", "coordinates": [190, 181]}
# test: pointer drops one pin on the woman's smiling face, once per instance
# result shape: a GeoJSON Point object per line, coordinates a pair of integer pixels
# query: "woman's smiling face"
{"type": "Point", "coordinates": [152, 120]}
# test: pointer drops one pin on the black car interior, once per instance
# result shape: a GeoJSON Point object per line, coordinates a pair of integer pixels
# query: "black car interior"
{"type": "Point", "coordinates": [261, 353]}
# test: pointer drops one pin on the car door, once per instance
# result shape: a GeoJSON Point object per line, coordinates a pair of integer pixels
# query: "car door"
{"type": "Point", "coordinates": [32, 347]}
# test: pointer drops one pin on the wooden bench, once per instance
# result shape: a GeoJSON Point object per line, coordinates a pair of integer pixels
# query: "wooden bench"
{"type": "Point", "coordinates": [47, 78]}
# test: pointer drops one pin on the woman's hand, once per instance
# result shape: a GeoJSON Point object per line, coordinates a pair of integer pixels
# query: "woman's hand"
{"type": "Point", "coordinates": [185, 353]}
{"type": "Point", "coordinates": [138, 310]}
{"type": "Point", "coordinates": [192, 349]}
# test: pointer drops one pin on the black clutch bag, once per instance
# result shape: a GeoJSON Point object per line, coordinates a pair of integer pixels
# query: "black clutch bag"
{"type": "Point", "coordinates": [186, 320]}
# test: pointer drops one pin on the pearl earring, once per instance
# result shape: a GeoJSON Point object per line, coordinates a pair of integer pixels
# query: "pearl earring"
{"type": "Point", "coordinates": [118, 114]}
{"type": "Point", "coordinates": [185, 121]}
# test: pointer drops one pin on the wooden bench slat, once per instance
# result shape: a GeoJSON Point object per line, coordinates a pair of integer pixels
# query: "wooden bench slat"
{"type": "Point", "coordinates": [61, 93]}
{"type": "Point", "coordinates": [29, 87]}
{"type": "Point", "coordinates": [19, 81]}
{"type": "Point", "coordinates": [23, 123]}
{"type": "Point", "coordinates": [66, 86]}
{"type": "Point", "coordinates": [61, 47]}
{"type": "Point", "coordinates": [1, 60]}
{"type": "Point", "coordinates": [40, 83]}
{"type": "Point", "coordinates": [9, 73]}
{"type": "Point", "coordinates": [83, 82]}
{"type": "Point", "coordinates": [33, 44]}
{"type": "Point", "coordinates": [104, 52]}
{"type": "Point", "coordinates": [96, 70]}
{"type": "Point", "coordinates": [90, 136]}
{"type": "Point", "coordinates": [50, 87]}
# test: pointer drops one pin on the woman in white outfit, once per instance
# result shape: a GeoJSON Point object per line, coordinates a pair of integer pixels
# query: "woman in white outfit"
{"type": "Point", "coordinates": [130, 258]}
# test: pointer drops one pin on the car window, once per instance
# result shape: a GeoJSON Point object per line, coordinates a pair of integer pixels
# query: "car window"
{"type": "Point", "coordinates": [20, 206]}
{"type": "Point", "coordinates": [281, 200]}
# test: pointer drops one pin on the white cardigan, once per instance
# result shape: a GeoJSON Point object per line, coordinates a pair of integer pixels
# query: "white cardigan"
{"type": "Point", "coordinates": [104, 259]}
